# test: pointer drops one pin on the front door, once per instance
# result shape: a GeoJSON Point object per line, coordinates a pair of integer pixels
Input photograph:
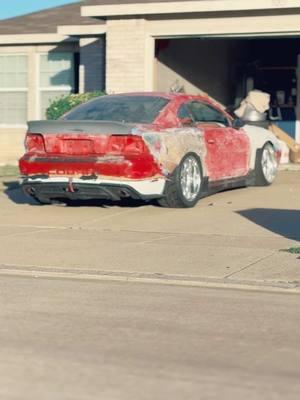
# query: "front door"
{"type": "Point", "coordinates": [227, 148]}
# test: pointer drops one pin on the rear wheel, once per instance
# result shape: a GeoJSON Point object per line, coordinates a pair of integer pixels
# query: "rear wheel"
{"type": "Point", "coordinates": [266, 166]}
{"type": "Point", "coordinates": [184, 187]}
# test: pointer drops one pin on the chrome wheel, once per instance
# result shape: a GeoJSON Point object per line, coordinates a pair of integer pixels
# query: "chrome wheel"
{"type": "Point", "coordinates": [190, 178]}
{"type": "Point", "coordinates": [269, 163]}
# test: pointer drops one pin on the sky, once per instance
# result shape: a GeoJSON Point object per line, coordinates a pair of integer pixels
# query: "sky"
{"type": "Point", "coordinates": [13, 8]}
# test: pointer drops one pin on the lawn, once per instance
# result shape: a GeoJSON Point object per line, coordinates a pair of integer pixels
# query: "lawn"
{"type": "Point", "coordinates": [294, 250]}
{"type": "Point", "coordinates": [9, 170]}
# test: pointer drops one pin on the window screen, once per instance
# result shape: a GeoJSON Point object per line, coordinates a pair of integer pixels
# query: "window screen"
{"type": "Point", "coordinates": [13, 71]}
{"type": "Point", "coordinates": [57, 78]}
{"type": "Point", "coordinates": [13, 89]}
{"type": "Point", "coordinates": [13, 108]}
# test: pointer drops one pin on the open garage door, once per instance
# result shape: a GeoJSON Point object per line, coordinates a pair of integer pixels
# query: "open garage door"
{"type": "Point", "coordinates": [227, 68]}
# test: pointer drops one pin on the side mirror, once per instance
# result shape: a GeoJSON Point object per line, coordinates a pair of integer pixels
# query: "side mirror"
{"type": "Point", "coordinates": [238, 123]}
{"type": "Point", "coordinates": [186, 121]}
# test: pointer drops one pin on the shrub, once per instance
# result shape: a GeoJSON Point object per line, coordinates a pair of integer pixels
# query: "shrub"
{"type": "Point", "coordinates": [61, 105]}
{"type": "Point", "coordinates": [294, 250]}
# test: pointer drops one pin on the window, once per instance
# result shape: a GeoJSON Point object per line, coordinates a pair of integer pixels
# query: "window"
{"type": "Point", "coordinates": [57, 78]}
{"type": "Point", "coordinates": [13, 89]}
{"type": "Point", "coordinates": [184, 112]}
{"type": "Point", "coordinates": [204, 113]}
{"type": "Point", "coordinates": [137, 109]}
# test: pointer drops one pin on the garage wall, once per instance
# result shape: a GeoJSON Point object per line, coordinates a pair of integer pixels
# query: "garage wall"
{"type": "Point", "coordinates": [196, 64]}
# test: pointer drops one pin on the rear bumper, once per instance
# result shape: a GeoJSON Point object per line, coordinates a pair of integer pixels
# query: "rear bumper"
{"type": "Point", "coordinates": [85, 189]}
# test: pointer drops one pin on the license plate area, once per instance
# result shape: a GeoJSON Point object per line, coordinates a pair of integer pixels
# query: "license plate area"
{"type": "Point", "coordinates": [77, 147]}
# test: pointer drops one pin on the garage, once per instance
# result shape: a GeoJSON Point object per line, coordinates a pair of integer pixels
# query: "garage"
{"type": "Point", "coordinates": [228, 68]}
{"type": "Point", "coordinates": [225, 48]}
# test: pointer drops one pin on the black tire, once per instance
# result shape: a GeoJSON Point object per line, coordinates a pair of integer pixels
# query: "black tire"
{"type": "Point", "coordinates": [261, 178]}
{"type": "Point", "coordinates": [173, 193]}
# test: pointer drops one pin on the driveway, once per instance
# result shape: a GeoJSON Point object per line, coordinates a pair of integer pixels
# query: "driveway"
{"type": "Point", "coordinates": [233, 238]}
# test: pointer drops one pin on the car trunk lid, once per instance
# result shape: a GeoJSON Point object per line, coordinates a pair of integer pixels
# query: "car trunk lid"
{"type": "Point", "coordinates": [87, 147]}
{"type": "Point", "coordinates": [79, 138]}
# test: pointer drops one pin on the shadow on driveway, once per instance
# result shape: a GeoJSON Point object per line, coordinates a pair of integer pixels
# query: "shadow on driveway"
{"type": "Point", "coordinates": [283, 222]}
{"type": "Point", "coordinates": [16, 195]}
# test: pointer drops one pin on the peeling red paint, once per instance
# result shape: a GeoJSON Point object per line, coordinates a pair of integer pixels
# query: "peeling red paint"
{"type": "Point", "coordinates": [227, 152]}
{"type": "Point", "coordinates": [148, 151]}
{"type": "Point", "coordinates": [114, 155]}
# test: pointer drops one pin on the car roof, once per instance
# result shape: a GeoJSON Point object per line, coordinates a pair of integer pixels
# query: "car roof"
{"type": "Point", "coordinates": [147, 94]}
{"type": "Point", "coordinates": [172, 96]}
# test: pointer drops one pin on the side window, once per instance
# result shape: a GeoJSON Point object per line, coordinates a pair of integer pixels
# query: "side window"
{"type": "Point", "coordinates": [205, 113]}
{"type": "Point", "coordinates": [184, 112]}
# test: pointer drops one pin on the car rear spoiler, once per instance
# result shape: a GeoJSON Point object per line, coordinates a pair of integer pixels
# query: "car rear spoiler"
{"type": "Point", "coordinates": [77, 127]}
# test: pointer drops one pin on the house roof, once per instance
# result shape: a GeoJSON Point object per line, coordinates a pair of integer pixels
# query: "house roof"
{"type": "Point", "coordinates": [112, 8]}
{"type": "Point", "coordinates": [46, 21]}
{"type": "Point", "coordinates": [113, 2]}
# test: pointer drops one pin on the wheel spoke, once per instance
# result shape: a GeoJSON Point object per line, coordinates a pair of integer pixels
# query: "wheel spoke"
{"type": "Point", "coordinates": [269, 163]}
{"type": "Point", "coordinates": [190, 178]}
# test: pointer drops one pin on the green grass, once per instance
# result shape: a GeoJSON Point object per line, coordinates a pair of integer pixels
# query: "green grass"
{"type": "Point", "coordinates": [293, 250]}
{"type": "Point", "coordinates": [9, 170]}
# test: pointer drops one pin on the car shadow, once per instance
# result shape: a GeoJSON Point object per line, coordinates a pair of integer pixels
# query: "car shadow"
{"type": "Point", "coordinates": [108, 203]}
{"type": "Point", "coordinates": [16, 195]}
{"type": "Point", "coordinates": [283, 222]}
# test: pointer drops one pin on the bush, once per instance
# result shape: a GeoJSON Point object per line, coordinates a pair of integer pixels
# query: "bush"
{"type": "Point", "coordinates": [63, 104]}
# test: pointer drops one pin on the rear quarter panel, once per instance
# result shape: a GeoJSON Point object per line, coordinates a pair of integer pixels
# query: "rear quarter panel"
{"type": "Point", "coordinates": [169, 146]}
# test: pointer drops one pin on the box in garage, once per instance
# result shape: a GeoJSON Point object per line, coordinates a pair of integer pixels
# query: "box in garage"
{"type": "Point", "coordinates": [295, 154]}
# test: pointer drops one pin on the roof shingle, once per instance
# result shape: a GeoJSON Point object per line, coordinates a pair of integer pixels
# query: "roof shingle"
{"type": "Point", "coordinates": [46, 21]}
{"type": "Point", "coordinates": [117, 2]}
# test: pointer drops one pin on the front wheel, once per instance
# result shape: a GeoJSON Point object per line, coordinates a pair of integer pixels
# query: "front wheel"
{"type": "Point", "coordinates": [266, 166]}
{"type": "Point", "coordinates": [183, 189]}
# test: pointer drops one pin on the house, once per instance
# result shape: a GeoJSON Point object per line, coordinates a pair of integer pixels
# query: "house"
{"type": "Point", "coordinates": [37, 64]}
{"type": "Point", "coordinates": [224, 47]}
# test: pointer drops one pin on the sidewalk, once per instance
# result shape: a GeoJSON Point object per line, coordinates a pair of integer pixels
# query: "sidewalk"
{"type": "Point", "coordinates": [231, 238]}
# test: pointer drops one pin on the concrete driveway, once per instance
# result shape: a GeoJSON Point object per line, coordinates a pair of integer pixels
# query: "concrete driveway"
{"type": "Point", "coordinates": [233, 238]}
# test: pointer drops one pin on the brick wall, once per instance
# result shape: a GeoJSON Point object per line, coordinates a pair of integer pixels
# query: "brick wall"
{"type": "Point", "coordinates": [125, 56]}
{"type": "Point", "coordinates": [92, 64]}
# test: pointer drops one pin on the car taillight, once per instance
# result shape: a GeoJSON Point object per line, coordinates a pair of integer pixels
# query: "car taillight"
{"type": "Point", "coordinates": [34, 143]}
{"type": "Point", "coordinates": [125, 145]}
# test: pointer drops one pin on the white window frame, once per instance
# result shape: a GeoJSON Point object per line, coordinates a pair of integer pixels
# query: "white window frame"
{"type": "Point", "coordinates": [20, 89]}
{"type": "Point", "coordinates": [41, 89]}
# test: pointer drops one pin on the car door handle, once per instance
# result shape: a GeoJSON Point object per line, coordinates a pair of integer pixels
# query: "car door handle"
{"type": "Point", "coordinates": [211, 141]}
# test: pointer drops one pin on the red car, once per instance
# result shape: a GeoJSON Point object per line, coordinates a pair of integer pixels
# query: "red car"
{"type": "Point", "coordinates": [175, 148]}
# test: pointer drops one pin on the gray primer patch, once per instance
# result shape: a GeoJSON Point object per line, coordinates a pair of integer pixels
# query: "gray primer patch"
{"type": "Point", "coordinates": [168, 147]}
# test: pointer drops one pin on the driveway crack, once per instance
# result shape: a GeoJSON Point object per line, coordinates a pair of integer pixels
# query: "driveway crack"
{"type": "Point", "coordinates": [250, 265]}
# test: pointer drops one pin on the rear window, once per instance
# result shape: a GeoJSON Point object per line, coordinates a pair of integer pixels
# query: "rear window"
{"type": "Point", "coordinates": [131, 109]}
